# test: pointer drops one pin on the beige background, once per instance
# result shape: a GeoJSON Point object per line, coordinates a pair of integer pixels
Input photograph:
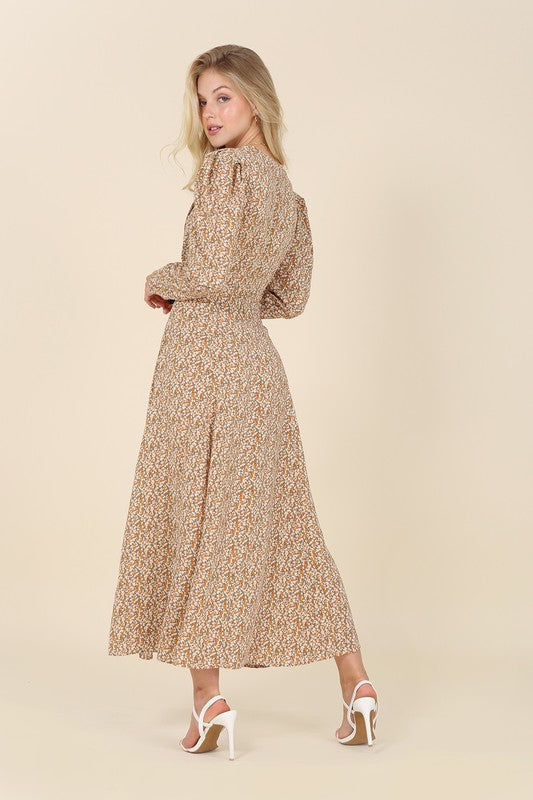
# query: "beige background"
{"type": "Point", "coordinates": [410, 132]}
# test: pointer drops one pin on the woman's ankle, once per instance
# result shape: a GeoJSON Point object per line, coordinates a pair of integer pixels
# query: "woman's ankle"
{"type": "Point", "coordinates": [350, 680]}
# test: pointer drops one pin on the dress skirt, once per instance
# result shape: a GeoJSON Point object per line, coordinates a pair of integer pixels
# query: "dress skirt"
{"type": "Point", "coordinates": [223, 560]}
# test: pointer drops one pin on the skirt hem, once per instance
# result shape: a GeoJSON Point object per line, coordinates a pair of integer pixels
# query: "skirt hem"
{"type": "Point", "coordinates": [294, 662]}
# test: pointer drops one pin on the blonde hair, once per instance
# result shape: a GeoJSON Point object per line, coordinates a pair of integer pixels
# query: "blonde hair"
{"type": "Point", "coordinates": [252, 79]}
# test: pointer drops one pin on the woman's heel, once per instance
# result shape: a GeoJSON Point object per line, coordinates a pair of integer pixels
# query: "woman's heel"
{"type": "Point", "coordinates": [227, 719]}
{"type": "Point", "coordinates": [209, 731]}
{"type": "Point", "coordinates": [365, 707]}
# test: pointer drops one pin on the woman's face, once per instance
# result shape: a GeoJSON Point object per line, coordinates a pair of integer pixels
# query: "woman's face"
{"type": "Point", "coordinates": [221, 106]}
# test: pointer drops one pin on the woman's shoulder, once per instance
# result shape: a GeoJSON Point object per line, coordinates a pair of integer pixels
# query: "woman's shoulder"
{"type": "Point", "coordinates": [252, 169]}
{"type": "Point", "coordinates": [225, 165]}
{"type": "Point", "coordinates": [256, 161]}
{"type": "Point", "coordinates": [220, 152]}
{"type": "Point", "coordinates": [223, 157]}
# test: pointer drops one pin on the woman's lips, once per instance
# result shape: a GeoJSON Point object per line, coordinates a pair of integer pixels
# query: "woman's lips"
{"type": "Point", "coordinates": [216, 130]}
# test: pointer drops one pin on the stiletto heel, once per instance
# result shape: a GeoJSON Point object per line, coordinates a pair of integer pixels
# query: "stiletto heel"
{"type": "Point", "coordinates": [227, 718]}
{"type": "Point", "coordinates": [365, 707]}
{"type": "Point", "coordinates": [210, 731]}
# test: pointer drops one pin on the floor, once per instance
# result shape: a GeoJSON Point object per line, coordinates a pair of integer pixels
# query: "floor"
{"type": "Point", "coordinates": [80, 724]}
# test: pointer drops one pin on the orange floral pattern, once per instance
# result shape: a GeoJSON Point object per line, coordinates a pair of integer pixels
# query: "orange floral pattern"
{"type": "Point", "coordinates": [223, 560]}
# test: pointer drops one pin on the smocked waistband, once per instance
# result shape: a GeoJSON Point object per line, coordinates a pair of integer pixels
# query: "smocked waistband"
{"type": "Point", "coordinates": [237, 307]}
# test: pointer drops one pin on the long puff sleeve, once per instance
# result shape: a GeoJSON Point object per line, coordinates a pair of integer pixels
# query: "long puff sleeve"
{"type": "Point", "coordinates": [163, 281]}
{"type": "Point", "coordinates": [212, 230]}
{"type": "Point", "coordinates": [288, 291]}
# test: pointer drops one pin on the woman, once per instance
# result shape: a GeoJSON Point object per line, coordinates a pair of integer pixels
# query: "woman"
{"type": "Point", "coordinates": [223, 560]}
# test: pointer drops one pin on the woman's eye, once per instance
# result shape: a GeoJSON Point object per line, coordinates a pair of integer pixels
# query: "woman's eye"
{"type": "Point", "coordinates": [221, 97]}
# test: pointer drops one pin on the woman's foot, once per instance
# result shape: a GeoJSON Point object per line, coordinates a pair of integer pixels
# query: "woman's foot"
{"type": "Point", "coordinates": [347, 688]}
{"type": "Point", "coordinates": [200, 699]}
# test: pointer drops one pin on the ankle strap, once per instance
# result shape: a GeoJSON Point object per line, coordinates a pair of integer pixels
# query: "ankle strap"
{"type": "Point", "coordinates": [200, 718]}
{"type": "Point", "coordinates": [352, 700]}
{"type": "Point", "coordinates": [357, 685]}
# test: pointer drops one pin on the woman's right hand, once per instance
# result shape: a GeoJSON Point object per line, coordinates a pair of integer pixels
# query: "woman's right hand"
{"type": "Point", "coordinates": [156, 301]}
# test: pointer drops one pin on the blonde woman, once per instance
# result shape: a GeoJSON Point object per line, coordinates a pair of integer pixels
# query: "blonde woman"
{"type": "Point", "coordinates": [223, 562]}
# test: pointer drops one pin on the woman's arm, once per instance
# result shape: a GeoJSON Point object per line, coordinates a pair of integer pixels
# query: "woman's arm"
{"type": "Point", "coordinates": [213, 226]}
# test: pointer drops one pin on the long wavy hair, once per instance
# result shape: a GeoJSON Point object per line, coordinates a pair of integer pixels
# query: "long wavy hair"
{"type": "Point", "coordinates": [252, 79]}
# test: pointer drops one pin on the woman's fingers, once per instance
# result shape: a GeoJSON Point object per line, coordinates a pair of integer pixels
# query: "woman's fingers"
{"type": "Point", "coordinates": [167, 306]}
{"type": "Point", "coordinates": [156, 301]}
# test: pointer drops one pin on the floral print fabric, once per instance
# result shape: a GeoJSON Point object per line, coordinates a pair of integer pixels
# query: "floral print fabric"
{"type": "Point", "coordinates": [223, 560]}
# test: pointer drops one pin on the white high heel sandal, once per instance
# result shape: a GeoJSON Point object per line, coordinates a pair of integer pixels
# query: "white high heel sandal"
{"type": "Point", "coordinates": [210, 731]}
{"type": "Point", "coordinates": [364, 709]}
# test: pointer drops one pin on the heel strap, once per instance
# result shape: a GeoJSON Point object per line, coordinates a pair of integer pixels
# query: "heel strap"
{"type": "Point", "coordinates": [200, 718]}
{"type": "Point", "coordinates": [356, 687]}
{"type": "Point", "coordinates": [352, 700]}
{"type": "Point", "coordinates": [351, 712]}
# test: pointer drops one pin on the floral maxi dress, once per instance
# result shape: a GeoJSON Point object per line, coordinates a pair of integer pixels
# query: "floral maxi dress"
{"type": "Point", "coordinates": [223, 560]}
